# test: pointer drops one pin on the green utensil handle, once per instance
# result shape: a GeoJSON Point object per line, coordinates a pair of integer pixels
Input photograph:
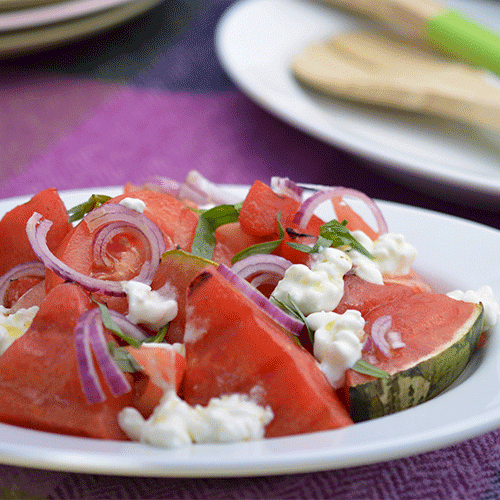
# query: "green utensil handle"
{"type": "Point", "coordinates": [465, 39]}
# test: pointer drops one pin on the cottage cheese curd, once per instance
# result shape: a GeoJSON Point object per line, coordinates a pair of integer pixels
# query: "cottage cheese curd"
{"type": "Point", "coordinates": [13, 326]}
{"type": "Point", "coordinates": [148, 307]}
{"type": "Point", "coordinates": [337, 342]}
{"type": "Point", "coordinates": [174, 423]}
{"type": "Point", "coordinates": [486, 297]}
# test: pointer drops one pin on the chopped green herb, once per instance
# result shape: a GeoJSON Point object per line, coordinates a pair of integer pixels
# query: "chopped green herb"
{"type": "Point", "coordinates": [336, 234]}
{"type": "Point", "coordinates": [124, 360]}
{"type": "Point", "coordinates": [293, 309]}
{"type": "Point", "coordinates": [160, 336]}
{"type": "Point", "coordinates": [108, 323]}
{"type": "Point", "coordinates": [366, 368]}
{"type": "Point", "coordinates": [265, 248]}
{"type": "Point", "coordinates": [78, 212]}
{"type": "Point", "coordinates": [209, 220]}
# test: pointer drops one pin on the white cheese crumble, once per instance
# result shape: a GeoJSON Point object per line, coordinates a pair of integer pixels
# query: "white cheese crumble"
{"type": "Point", "coordinates": [486, 297]}
{"type": "Point", "coordinates": [134, 204]}
{"type": "Point", "coordinates": [13, 326]}
{"type": "Point", "coordinates": [337, 342]}
{"type": "Point", "coordinates": [393, 254]}
{"type": "Point", "coordinates": [174, 423]}
{"type": "Point", "coordinates": [319, 288]}
{"type": "Point", "coordinates": [148, 307]}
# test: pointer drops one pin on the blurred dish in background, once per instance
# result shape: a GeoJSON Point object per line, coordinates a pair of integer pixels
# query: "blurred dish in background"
{"type": "Point", "coordinates": [25, 30]}
{"type": "Point", "coordinates": [256, 42]}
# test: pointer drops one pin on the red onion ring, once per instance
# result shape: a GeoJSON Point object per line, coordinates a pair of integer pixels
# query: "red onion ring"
{"type": "Point", "coordinates": [87, 373]}
{"type": "Point", "coordinates": [380, 327]}
{"type": "Point", "coordinates": [195, 188]}
{"type": "Point", "coordinates": [283, 185]}
{"type": "Point", "coordinates": [304, 214]}
{"type": "Point", "coordinates": [37, 230]}
{"type": "Point", "coordinates": [259, 264]}
{"type": "Point", "coordinates": [383, 337]}
{"type": "Point", "coordinates": [20, 271]}
{"type": "Point", "coordinates": [291, 324]}
{"type": "Point", "coordinates": [89, 336]}
{"type": "Point", "coordinates": [112, 213]}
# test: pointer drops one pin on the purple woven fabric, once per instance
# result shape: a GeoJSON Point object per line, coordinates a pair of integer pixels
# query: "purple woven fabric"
{"type": "Point", "coordinates": [99, 135]}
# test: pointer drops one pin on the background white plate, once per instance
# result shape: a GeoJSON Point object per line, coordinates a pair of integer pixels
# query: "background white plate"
{"type": "Point", "coordinates": [55, 13]}
{"type": "Point", "coordinates": [43, 34]}
{"type": "Point", "coordinates": [469, 409]}
{"type": "Point", "coordinates": [256, 41]}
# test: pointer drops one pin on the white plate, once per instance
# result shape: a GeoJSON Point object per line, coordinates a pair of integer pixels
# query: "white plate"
{"type": "Point", "coordinates": [73, 26]}
{"type": "Point", "coordinates": [256, 41]}
{"type": "Point", "coordinates": [467, 410]}
{"type": "Point", "coordinates": [55, 13]}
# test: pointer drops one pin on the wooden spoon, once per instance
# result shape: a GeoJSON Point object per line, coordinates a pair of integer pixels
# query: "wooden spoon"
{"type": "Point", "coordinates": [384, 69]}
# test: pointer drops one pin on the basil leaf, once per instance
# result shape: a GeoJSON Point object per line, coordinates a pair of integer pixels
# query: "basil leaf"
{"type": "Point", "coordinates": [160, 336]}
{"type": "Point", "coordinates": [108, 323]}
{"type": "Point", "coordinates": [366, 368]}
{"type": "Point", "coordinates": [123, 359]}
{"type": "Point", "coordinates": [79, 211]}
{"type": "Point", "coordinates": [338, 233]}
{"type": "Point", "coordinates": [266, 247]}
{"type": "Point", "coordinates": [208, 221]}
{"type": "Point", "coordinates": [321, 244]}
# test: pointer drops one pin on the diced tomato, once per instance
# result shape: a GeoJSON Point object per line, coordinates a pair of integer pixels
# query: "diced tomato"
{"type": "Point", "coordinates": [232, 346]}
{"type": "Point", "coordinates": [16, 248]}
{"type": "Point", "coordinates": [40, 386]}
{"type": "Point", "coordinates": [164, 369]}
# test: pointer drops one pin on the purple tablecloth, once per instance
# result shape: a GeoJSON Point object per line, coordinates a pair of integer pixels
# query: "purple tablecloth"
{"type": "Point", "coordinates": [162, 105]}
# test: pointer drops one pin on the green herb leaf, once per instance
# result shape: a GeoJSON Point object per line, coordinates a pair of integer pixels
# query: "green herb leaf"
{"type": "Point", "coordinates": [209, 220]}
{"type": "Point", "coordinates": [366, 368]}
{"type": "Point", "coordinates": [267, 247]}
{"type": "Point", "coordinates": [293, 309]}
{"type": "Point", "coordinates": [339, 235]}
{"type": "Point", "coordinates": [321, 244]}
{"type": "Point", "coordinates": [78, 212]}
{"type": "Point", "coordinates": [108, 323]}
{"type": "Point", "coordinates": [123, 359]}
{"type": "Point", "coordinates": [160, 336]}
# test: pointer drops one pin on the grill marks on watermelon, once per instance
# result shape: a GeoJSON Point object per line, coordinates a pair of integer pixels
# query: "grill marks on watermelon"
{"type": "Point", "coordinates": [240, 349]}
{"type": "Point", "coordinates": [440, 334]}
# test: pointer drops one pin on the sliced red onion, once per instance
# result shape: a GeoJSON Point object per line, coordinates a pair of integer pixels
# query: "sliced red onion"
{"type": "Point", "coordinates": [37, 230]}
{"type": "Point", "coordinates": [380, 327]}
{"type": "Point", "coordinates": [89, 336]}
{"type": "Point", "coordinates": [115, 378]}
{"type": "Point", "coordinates": [259, 264]}
{"type": "Point", "coordinates": [394, 340]}
{"type": "Point", "coordinates": [35, 268]}
{"type": "Point", "coordinates": [116, 213]}
{"type": "Point", "coordinates": [105, 235]}
{"type": "Point", "coordinates": [304, 214]}
{"type": "Point", "coordinates": [87, 373]}
{"type": "Point", "coordinates": [265, 279]}
{"type": "Point", "coordinates": [277, 314]}
{"type": "Point", "coordinates": [283, 185]}
{"type": "Point", "coordinates": [127, 327]}
{"type": "Point", "coordinates": [215, 194]}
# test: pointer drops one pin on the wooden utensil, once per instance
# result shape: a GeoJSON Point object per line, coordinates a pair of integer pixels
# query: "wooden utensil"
{"type": "Point", "coordinates": [437, 25]}
{"type": "Point", "coordinates": [389, 70]}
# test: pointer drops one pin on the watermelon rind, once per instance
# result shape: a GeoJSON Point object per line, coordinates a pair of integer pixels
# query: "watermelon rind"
{"type": "Point", "coordinates": [421, 382]}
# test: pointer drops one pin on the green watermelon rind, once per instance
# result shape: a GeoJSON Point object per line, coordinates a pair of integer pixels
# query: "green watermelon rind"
{"type": "Point", "coordinates": [421, 382]}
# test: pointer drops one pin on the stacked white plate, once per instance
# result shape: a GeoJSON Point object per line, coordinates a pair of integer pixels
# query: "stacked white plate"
{"type": "Point", "coordinates": [27, 25]}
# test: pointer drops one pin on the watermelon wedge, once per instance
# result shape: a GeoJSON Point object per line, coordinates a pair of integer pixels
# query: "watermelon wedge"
{"type": "Point", "coordinates": [232, 346]}
{"type": "Point", "coordinates": [440, 334]}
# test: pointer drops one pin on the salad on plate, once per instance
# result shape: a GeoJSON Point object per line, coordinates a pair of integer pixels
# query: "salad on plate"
{"type": "Point", "coordinates": [175, 314]}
